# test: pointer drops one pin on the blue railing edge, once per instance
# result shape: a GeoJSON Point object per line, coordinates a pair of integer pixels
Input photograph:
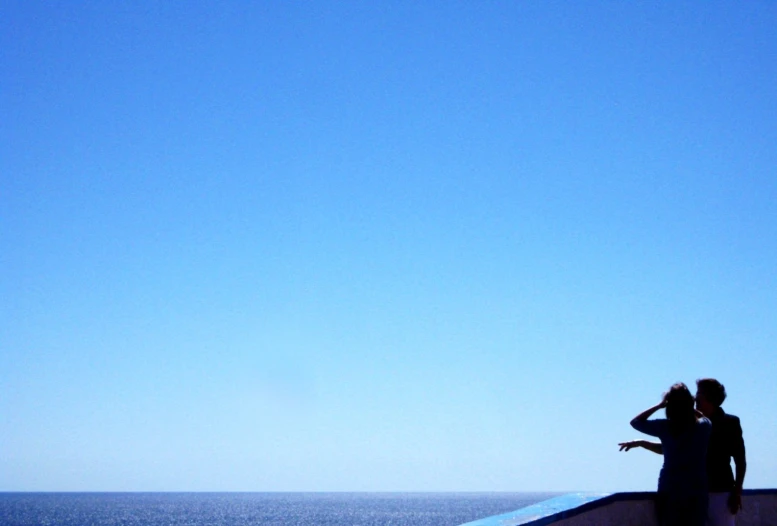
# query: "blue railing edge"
{"type": "Point", "coordinates": [571, 504]}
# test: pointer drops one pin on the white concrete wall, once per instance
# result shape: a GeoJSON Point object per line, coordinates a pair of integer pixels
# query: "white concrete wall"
{"type": "Point", "coordinates": [758, 510]}
{"type": "Point", "coordinates": [624, 513]}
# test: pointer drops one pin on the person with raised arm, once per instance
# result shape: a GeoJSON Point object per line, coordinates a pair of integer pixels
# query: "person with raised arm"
{"type": "Point", "coordinates": [726, 442]}
{"type": "Point", "coordinates": [681, 499]}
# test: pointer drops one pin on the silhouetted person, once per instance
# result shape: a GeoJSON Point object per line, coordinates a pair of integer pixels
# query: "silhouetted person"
{"type": "Point", "coordinates": [726, 442]}
{"type": "Point", "coordinates": [681, 499]}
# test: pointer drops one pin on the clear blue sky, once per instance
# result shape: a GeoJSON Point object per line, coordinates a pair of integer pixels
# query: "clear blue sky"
{"type": "Point", "coordinates": [379, 245]}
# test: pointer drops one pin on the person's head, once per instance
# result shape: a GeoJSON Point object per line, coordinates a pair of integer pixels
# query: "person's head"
{"type": "Point", "coordinates": [679, 405]}
{"type": "Point", "coordinates": [710, 395]}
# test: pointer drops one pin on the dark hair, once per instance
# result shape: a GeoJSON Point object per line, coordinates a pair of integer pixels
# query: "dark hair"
{"type": "Point", "coordinates": [679, 408]}
{"type": "Point", "coordinates": [713, 390]}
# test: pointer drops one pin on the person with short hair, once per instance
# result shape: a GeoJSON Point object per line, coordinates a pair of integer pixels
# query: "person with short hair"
{"type": "Point", "coordinates": [726, 442]}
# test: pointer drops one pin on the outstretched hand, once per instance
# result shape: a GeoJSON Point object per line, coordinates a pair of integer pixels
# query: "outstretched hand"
{"type": "Point", "coordinates": [625, 446]}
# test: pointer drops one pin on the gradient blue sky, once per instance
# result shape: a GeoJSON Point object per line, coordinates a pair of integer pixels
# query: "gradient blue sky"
{"type": "Point", "coordinates": [365, 246]}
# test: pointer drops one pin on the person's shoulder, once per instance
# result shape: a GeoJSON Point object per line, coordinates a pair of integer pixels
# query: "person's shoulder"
{"type": "Point", "coordinates": [734, 424]}
{"type": "Point", "coordinates": [728, 424]}
{"type": "Point", "coordinates": [653, 426]}
{"type": "Point", "coordinates": [729, 418]}
{"type": "Point", "coordinates": [660, 423]}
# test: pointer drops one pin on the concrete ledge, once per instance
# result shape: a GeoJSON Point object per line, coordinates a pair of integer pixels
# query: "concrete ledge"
{"type": "Point", "coordinates": [621, 509]}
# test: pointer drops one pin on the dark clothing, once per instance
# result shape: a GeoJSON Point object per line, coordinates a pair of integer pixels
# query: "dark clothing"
{"type": "Point", "coordinates": [726, 442]}
{"type": "Point", "coordinates": [683, 510]}
{"type": "Point", "coordinates": [682, 498]}
{"type": "Point", "coordinates": [684, 472]}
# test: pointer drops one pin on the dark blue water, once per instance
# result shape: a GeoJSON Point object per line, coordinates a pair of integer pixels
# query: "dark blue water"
{"type": "Point", "coordinates": [256, 509]}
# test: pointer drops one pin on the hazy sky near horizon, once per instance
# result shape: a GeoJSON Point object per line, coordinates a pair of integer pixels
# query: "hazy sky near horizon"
{"type": "Point", "coordinates": [379, 246]}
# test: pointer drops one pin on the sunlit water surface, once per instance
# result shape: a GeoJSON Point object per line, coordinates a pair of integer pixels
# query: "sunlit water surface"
{"type": "Point", "coordinates": [256, 509]}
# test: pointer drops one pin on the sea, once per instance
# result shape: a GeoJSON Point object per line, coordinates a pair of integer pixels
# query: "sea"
{"type": "Point", "coordinates": [257, 509]}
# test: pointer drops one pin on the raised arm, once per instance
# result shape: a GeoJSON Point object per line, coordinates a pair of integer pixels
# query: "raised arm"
{"type": "Point", "coordinates": [655, 427]}
{"type": "Point", "coordinates": [647, 413]}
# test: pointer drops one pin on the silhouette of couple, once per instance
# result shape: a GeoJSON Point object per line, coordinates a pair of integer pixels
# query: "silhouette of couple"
{"type": "Point", "coordinates": [696, 486]}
